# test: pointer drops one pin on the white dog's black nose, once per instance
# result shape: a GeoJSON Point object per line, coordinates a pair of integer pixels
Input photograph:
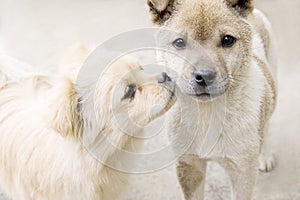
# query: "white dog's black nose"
{"type": "Point", "coordinates": [204, 77]}
{"type": "Point", "coordinates": [163, 77]}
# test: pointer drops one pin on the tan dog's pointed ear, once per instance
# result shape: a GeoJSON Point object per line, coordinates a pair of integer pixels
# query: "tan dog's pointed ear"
{"type": "Point", "coordinates": [160, 5]}
{"type": "Point", "coordinates": [160, 10]}
{"type": "Point", "coordinates": [242, 6]}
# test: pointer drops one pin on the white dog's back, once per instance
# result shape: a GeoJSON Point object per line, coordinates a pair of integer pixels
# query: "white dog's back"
{"type": "Point", "coordinates": [33, 155]}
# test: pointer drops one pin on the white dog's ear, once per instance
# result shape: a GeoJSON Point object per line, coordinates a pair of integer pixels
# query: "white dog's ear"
{"type": "Point", "coordinates": [65, 120]}
{"type": "Point", "coordinates": [242, 6]}
{"type": "Point", "coordinates": [161, 10]}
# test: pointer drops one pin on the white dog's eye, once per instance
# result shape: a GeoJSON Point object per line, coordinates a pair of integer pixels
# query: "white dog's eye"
{"type": "Point", "coordinates": [228, 41]}
{"type": "Point", "coordinates": [179, 44]}
{"type": "Point", "coordinates": [130, 91]}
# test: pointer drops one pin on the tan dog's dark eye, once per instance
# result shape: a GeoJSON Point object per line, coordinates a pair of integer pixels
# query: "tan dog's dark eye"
{"type": "Point", "coordinates": [228, 41]}
{"type": "Point", "coordinates": [130, 91]}
{"type": "Point", "coordinates": [179, 44]}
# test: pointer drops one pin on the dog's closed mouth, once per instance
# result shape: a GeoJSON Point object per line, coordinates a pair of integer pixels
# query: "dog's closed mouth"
{"type": "Point", "coordinates": [203, 95]}
{"type": "Point", "coordinates": [208, 92]}
{"type": "Point", "coordinates": [206, 96]}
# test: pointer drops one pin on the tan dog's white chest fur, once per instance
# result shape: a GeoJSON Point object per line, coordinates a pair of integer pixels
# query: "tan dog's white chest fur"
{"type": "Point", "coordinates": [231, 75]}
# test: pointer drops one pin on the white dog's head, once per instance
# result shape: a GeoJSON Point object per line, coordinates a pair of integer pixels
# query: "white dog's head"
{"type": "Point", "coordinates": [119, 104]}
{"type": "Point", "coordinates": [126, 94]}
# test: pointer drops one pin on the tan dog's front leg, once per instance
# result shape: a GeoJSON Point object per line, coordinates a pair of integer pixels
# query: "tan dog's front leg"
{"type": "Point", "coordinates": [242, 177]}
{"type": "Point", "coordinates": [266, 157]}
{"type": "Point", "coordinates": [191, 175]}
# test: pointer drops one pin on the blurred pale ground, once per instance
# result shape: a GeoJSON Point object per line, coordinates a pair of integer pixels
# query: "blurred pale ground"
{"type": "Point", "coordinates": [39, 31]}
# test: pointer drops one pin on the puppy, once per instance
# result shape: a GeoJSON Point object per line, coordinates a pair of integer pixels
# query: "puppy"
{"type": "Point", "coordinates": [46, 124]}
{"type": "Point", "coordinates": [229, 70]}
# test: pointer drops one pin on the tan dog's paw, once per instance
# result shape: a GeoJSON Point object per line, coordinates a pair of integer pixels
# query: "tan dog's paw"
{"type": "Point", "coordinates": [266, 163]}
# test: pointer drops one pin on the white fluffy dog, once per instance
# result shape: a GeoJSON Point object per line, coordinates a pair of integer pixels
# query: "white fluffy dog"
{"type": "Point", "coordinates": [44, 119]}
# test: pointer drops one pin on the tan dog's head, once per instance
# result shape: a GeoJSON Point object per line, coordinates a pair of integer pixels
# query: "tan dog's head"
{"type": "Point", "coordinates": [213, 39]}
{"type": "Point", "coordinates": [129, 96]}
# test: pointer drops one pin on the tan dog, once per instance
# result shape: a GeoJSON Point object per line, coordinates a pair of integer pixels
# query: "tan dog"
{"type": "Point", "coordinates": [44, 119]}
{"type": "Point", "coordinates": [229, 70]}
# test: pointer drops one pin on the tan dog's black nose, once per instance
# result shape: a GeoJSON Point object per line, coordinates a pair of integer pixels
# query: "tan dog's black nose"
{"type": "Point", "coordinates": [163, 77]}
{"type": "Point", "coordinates": [204, 77]}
